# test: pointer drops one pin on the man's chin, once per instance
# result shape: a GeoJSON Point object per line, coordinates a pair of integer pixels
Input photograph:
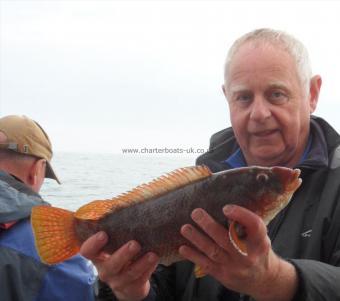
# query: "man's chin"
{"type": "Point", "coordinates": [265, 158]}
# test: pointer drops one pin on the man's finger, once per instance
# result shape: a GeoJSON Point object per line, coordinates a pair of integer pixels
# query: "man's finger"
{"type": "Point", "coordinates": [214, 230]}
{"type": "Point", "coordinates": [255, 229]}
{"type": "Point", "coordinates": [144, 266]}
{"type": "Point", "coordinates": [118, 260]}
{"type": "Point", "coordinates": [204, 243]}
{"type": "Point", "coordinates": [204, 262]}
{"type": "Point", "coordinates": [92, 247]}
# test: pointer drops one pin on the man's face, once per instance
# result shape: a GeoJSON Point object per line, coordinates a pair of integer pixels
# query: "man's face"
{"type": "Point", "coordinates": [269, 107]}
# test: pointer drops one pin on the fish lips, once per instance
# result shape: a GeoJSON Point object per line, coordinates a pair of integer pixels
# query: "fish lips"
{"type": "Point", "coordinates": [289, 177]}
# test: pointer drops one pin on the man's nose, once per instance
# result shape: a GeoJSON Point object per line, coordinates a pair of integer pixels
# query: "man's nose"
{"type": "Point", "coordinates": [260, 109]}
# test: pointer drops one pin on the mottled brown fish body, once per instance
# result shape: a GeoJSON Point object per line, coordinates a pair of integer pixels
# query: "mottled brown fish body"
{"type": "Point", "coordinates": [156, 223]}
{"type": "Point", "coordinates": [153, 213]}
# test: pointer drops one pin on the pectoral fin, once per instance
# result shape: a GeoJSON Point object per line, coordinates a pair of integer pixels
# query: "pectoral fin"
{"type": "Point", "coordinates": [199, 272]}
{"type": "Point", "coordinates": [237, 237]}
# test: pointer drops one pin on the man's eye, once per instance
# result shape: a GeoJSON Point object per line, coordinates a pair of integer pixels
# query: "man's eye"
{"type": "Point", "coordinates": [243, 97]}
{"type": "Point", "coordinates": [278, 97]}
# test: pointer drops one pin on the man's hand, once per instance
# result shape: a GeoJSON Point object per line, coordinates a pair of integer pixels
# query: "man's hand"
{"type": "Point", "coordinates": [128, 279]}
{"type": "Point", "coordinates": [261, 274]}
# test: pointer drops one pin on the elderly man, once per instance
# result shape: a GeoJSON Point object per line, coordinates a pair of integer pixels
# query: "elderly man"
{"type": "Point", "coordinates": [271, 95]}
{"type": "Point", "coordinates": [25, 154]}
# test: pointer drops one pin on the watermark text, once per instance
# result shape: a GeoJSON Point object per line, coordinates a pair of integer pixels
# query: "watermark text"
{"type": "Point", "coordinates": [164, 150]}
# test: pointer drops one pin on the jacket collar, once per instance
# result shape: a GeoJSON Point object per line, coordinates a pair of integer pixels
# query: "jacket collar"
{"type": "Point", "coordinates": [16, 199]}
{"type": "Point", "coordinates": [315, 155]}
{"type": "Point", "coordinates": [324, 139]}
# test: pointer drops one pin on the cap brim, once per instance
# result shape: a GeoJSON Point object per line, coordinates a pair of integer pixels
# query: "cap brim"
{"type": "Point", "coordinates": [50, 173]}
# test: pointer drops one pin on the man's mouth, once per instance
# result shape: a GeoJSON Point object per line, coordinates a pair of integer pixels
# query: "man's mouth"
{"type": "Point", "coordinates": [264, 133]}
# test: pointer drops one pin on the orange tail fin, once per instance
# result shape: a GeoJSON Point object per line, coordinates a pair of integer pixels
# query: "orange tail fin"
{"type": "Point", "coordinates": [54, 233]}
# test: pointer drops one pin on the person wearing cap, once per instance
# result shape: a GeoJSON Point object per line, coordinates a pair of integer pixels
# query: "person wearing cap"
{"type": "Point", "coordinates": [25, 161]}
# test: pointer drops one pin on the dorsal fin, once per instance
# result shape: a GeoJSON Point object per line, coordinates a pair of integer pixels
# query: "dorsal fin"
{"type": "Point", "coordinates": [166, 183]}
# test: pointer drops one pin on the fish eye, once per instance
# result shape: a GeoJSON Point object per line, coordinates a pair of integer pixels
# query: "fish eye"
{"type": "Point", "coordinates": [262, 177]}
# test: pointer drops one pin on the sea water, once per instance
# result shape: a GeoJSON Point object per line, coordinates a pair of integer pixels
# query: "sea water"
{"type": "Point", "coordinates": [88, 176]}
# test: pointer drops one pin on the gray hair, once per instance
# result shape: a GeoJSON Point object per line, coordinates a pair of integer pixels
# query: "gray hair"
{"type": "Point", "coordinates": [276, 38]}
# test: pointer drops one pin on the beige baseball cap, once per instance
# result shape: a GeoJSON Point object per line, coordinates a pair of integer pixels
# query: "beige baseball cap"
{"type": "Point", "coordinates": [26, 136]}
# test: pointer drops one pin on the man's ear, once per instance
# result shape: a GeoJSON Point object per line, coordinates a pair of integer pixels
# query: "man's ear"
{"type": "Point", "coordinates": [224, 90]}
{"type": "Point", "coordinates": [36, 172]}
{"type": "Point", "coordinates": [314, 92]}
{"type": "Point", "coordinates": [32, 174]}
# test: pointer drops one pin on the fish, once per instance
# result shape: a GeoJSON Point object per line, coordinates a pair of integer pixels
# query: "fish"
{"type": "Point", "coordinates": [154, 213]}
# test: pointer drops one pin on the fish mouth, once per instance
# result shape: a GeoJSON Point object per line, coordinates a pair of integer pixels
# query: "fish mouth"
{"type": "Point", "coordinates": [295, 180]}
{"type": "Point", "coordinates": [291, 182]}
{"type": "Point", "coordinates": [288, 176]}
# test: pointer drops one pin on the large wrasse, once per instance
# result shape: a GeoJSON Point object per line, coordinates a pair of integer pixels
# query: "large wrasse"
{"type": "Point", "coordinates": [153, 213]}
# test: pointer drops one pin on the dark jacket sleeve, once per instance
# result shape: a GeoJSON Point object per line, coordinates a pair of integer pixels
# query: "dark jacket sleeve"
{"type": "Point", "coordinates": [317, 280]}
{"type": "Point", "coordinates": [320, 279]}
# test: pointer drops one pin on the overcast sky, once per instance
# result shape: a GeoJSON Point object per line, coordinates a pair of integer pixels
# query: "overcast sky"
{"type": "Point", "coordinates": [100, 76]}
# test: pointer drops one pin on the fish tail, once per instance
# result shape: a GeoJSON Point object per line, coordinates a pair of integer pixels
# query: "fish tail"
{"type": "Point", "coordinates": [54, 233]}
